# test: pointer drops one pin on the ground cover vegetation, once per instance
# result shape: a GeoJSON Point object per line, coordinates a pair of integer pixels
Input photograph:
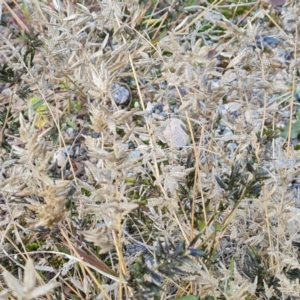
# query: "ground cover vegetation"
{"type": "Point", "coordinates": [149, 149]}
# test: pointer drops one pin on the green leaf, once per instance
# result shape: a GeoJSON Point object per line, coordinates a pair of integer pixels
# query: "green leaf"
{"type": "Point", "coordinates": [78, 106]}
{"type": "Point", "coordinates": [71, 123]}
{"type": "Point", "coordinates": [218, 226]}
{"type": "Point", "coordinates": [295, 129]}
{"type": "Point", "coordinates": [187, 298]}
{"type": "Point", "coordinates": [201, 225]}
{"type": "Point", "coordinates": [36, 102]}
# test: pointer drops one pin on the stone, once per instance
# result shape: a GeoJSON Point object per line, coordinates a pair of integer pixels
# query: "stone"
{"type": "Point", "coordinates": [120, 94]}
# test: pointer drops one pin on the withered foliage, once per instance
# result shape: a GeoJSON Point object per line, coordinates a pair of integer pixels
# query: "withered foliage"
{"type": "Point", "coordinates": [187, 188]}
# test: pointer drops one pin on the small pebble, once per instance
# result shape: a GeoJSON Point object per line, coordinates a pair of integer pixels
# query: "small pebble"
{"type": "Point", "coordinates": [120, 94]}
{"type": "Point", "coordinates": [71, 132]}
{"type": "Point", "coordinates": [149, 107]}
{"type": "Point", "coordinates": [232, 147]}
{"type": "Point", "coordinates": [174, 133]}
{"type": "Point", "coordinates": [135, 154]}
{"type": "Point", "coordinates": [7, 91]}
{"type": "Point", "coordinates": [266, 41]}
{"type": "Point", "coordinates": [60, 156]}
{"type": "Point", "coordinates": [227, 132]}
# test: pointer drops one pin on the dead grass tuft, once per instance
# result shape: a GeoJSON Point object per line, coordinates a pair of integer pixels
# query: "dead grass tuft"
{"type": "Point", "coordinates": [149, 150]}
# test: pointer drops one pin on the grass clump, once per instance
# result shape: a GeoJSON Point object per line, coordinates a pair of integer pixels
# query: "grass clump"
{"type": "Point", "coordinates": [149, 150]}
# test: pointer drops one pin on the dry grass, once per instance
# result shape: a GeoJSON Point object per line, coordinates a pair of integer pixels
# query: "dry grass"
{"type": "Point", "coordinates": [188, 189]}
